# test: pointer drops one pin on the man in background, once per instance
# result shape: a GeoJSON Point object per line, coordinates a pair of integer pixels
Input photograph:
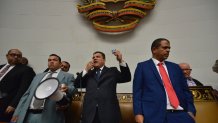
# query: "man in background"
{"type": "Point", "coordinates": [187, 73]}
{"type": "Point", "coordinates": [65, 66]}
{"type": "Point", "coordinates": [24, 61]}
{"type": "Point", "coordinates": [15, 78]}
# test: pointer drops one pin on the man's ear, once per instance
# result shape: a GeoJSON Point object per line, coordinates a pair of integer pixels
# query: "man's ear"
{"type": "Point", "coordinates": [153, 50]}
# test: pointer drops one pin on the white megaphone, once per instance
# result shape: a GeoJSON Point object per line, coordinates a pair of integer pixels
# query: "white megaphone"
{"type": "Point", "coordinates": [49, 88]}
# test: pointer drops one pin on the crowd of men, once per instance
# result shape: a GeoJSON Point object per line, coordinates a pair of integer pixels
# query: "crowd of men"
{"type": "Point", "coordinates": [160, 89]}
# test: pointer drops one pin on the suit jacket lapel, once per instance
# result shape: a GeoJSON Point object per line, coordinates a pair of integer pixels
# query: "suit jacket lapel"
{"type": "Point", "coordinates": [155, 71]}
{"type": "Point", "coordinates": [60, 76]}
{"type": "Point", "coordinates": [103, 72]}
{"type": "Point", "coordinates": [170, 72]}
{"type": "Point", "coordinates": [39, 78]}
{"type": "Point", "coordinates": [36, 83]}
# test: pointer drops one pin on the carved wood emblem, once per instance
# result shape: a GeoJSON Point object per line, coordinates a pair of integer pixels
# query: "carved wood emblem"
{"type": "Point", "coordinates": [115, 16]}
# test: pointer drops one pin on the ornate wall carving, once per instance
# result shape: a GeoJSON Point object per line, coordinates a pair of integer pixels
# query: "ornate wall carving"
{"type": "Point", "coordinates": [115, 16]}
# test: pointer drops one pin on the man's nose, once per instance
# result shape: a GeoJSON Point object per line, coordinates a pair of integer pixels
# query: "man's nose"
{"type": "Point", "coordinates": [51, 62]}
{"type": "Point", "coordinates": [186, 72]}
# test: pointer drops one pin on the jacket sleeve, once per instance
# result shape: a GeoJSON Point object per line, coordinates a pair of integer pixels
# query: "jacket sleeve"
{"type": "Point", "coordinates": [25, 81]}
{"type": "Point", "coordinates": [124, 75]}
{"type": "Point", "coordinates": [137, 90]}
{"type": "Point", "coordinates": [80, 81]}
{"type": "Point", "coordinates": [71, 87]}
{"type": "Point", "coordinates": [188, 95]}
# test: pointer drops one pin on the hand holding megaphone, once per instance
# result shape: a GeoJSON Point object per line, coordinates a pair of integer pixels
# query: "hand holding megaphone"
{"type": "Point", "coordinates": [63, 87]}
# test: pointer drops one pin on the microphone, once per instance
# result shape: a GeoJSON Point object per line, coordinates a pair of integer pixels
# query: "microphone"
{"type": "Point", "coordinates": [80, 82]}
{"type": "Point", "coordinates": [77, 73]}
{"type": "Point", "coordinates": [80, 94]}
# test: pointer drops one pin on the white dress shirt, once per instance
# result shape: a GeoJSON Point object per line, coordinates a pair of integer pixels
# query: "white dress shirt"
{"type": "Point", "coordinates": [168, 101]}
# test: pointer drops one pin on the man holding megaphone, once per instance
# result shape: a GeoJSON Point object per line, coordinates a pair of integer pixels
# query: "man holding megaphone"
{"type": "Point", "coordinates": [48, 93]}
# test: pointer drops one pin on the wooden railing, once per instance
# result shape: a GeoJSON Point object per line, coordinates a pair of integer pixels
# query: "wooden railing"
{"type": "Point", "coordinates": [204, 99]}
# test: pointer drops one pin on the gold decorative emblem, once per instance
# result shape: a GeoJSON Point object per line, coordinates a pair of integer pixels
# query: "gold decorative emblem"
{"type": "Point", "coordinates": [203, 93]}
{"type": "Point", "coordinates": [115, 16]}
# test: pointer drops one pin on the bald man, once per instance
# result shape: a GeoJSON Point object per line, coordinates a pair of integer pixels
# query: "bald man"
{"type": "Point", "coordinates": [187, 72]}
{"type": "Point", "coordinates": [15, 78]}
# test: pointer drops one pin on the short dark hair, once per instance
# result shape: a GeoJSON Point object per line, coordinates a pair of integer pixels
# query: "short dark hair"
{"type": "Point", "coordinates": [103, 55]}
{"type": "Point", "coordinates": [66, 62]}
{"type": "Point", "coordinates": [59, 58]}
{"type": "Point", "coordinates": [24, 60]}
{"type": "Point", "coordinates": [156, 43]}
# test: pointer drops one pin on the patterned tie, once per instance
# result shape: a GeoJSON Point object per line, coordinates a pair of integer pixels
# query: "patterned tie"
{"type": "Point", "coordinates": [168, 86]}
{"type": "Point", "coordinates": [39, 104]}
{"type": "Point", "coordinates": [4, 70]}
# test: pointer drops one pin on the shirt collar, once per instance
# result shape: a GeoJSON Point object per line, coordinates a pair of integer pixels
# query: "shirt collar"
{"type": "Point", "coordinates": [189, 78]}
{"type": "Point", "coordinates": [101, 68]}
{"type": "Point", "coordinates": [156, 61]}
{"type": "Point", "coordinates": [57, 71]}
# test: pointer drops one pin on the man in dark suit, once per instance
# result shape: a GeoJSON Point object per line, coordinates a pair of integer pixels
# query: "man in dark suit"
{"type": "Point", "coordinates": [100, 102]}
{"type": "Point", "coordinates": [187, 73]}
{"type": "Point", "coordinates": [15, 78]}
{"type": "Point", "coordinates": [160, 91]}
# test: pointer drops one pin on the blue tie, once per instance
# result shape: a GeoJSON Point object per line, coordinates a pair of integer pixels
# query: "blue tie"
{"type": "Point", "coordinates": [98, 73]}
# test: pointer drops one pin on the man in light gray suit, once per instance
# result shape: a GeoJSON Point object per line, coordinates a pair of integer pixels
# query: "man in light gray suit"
{"type": "Point", "coordinates": [51, 111]}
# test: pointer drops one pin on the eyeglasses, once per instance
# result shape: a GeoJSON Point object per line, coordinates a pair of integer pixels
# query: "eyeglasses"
{"type": "Point", "coordinates": [14, 54]}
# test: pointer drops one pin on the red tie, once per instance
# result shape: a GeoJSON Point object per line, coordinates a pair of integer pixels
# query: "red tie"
{"type": "Point", "coordinates": [4, 70]}
{"type": "Point", "coordinates": [168, 86]}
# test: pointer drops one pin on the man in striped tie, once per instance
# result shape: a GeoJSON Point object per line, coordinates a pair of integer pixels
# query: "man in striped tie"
{"type": "Point", "coordinates": [15, 78]}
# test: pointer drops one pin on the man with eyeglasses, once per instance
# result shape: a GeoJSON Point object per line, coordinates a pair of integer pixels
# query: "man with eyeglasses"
{"type": "Point", "coordinates": [187, 72]}
{"type": "Point", "coordinates": [15, 78]}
